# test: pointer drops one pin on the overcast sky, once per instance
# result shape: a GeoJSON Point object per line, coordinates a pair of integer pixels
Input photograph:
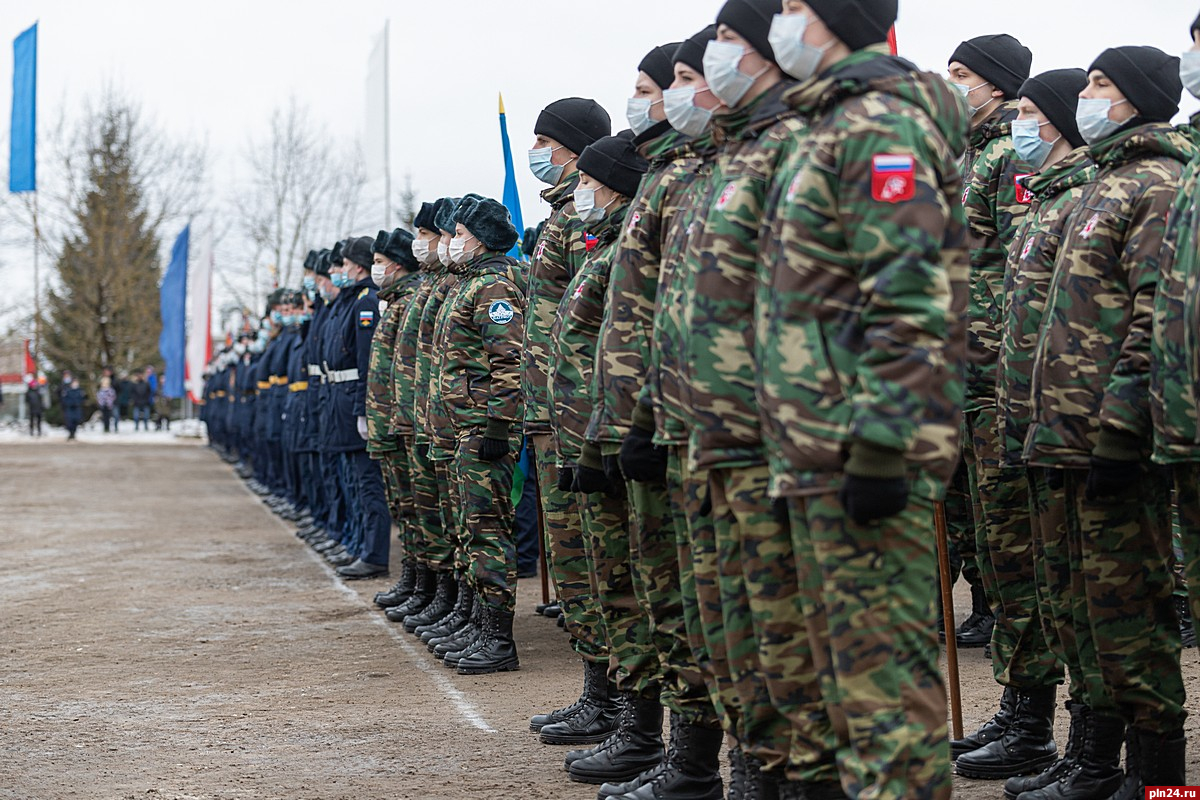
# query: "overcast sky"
{"type": "Point", "coordinates": [216, 70]}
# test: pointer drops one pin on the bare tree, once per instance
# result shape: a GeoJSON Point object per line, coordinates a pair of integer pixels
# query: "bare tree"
{"type": "Point", "coordinates": [408, 203]}
{"type": "Point", "coordinates": [303, 192]}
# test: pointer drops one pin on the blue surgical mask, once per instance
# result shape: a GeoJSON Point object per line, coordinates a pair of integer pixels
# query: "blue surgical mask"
{"type": "Point", "coordinates": [683, 113]}
{"type": "Point", "coordinates": [1092, 117]}
{"type": "Point", "coordinates": [310, 283]}
{"type": "Point", "coordinates": [793, 56]}
{"type": "Point", "coordinates": [303, 318]}
{"type": "Point", "coordinates": [276, 317]}
{"type": "Point", "coordinates": [340, 279]}
{"type": "Point", "coordinates": [542, 169]}
{"type": "Point", "coordinates": [637, 112]}
{"type": "Point", "coordinates": [966, 90]}
{"type": "Point", "coordinates": [585, 206]}
{"type": "Point", "coordinates": [1028, 142]}
{"type": "Point", "coordinates": [288, 320]}
{"type": "Point", "coordinates": [721, 69]}
{"type": "Point", "coordinates": [1189, 72]}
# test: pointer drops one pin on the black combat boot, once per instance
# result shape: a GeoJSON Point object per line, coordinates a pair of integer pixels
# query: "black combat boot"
{"type": "Point", "coordinates": [976, 630]}
{"type": "Point", "coordinates": [760, 785]}
{"type": "Point", "coordinates": [464, 593]}
{"type": "Point", "coordinates": [1026, 747]}
{"type": "Point", "coordinates": [444, 597]}
{"type": "Point", "coordinates": [692, 766]}
{"type": "Point", "coordinates": [497, 651]}
{"type": "Point", "coordinates": [593, 721]}
{"type": "Point", "coordinates": [403, 589]}
{"type": "Point", "coordinates": [1187, 626]}
{"type": "Point", "coordinates": [1096, 774]}
{"type": "Point", "coordinates": [424, 589]}
{"type": "Point", "coordinates": [635, 747]}
{"type": "Point", "coordinates": [459, 639]}
{"type": "Point", "coordinates": [468, 642]}
{"type": "Point", "coordinates": [1080, 714]}
{"type": "Point", "coordinates": [595, 678]}
{"type": "Point", "coordinates": [624, 720]}
{"type": "Point", "coordinates": [1151, 759]}
{"type": "Point", "coordinates": [991, 730]}
{"type": "Point", "coordinates": [618, 789]}
{"type": "Point", "coordinates": [808, 790]}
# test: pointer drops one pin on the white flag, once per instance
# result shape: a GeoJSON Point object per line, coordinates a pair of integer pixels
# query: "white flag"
{"type": "Point", "coordinates": [199, 343]}
{"type": "Point", "coordinates": [375, 133]}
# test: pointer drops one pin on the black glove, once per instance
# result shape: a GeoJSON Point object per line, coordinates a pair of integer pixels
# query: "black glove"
{"type": "Point", "coordinates": [566, 479]}
{"type": "Point", "coordinates": [1055, 478]}
{"type": "Point", "coordinates": [641, 459]}
{"type": "Point", "coordinates": [494, 445]}
{"type": "Point", "coordinates": [868, 500]}
{"type": "Point", "coordinates": [591, 481]}
{"type": "Point", "coordinates": [612, 469]}
{"type": "Point", "coordinates": [1109, 478]}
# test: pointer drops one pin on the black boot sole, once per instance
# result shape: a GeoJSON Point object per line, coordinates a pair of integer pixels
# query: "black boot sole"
{"type": "Point", "coordinates": [1000, 771]}
{"type": "Point", "coordinates": [511, 665]}
{"type": "Point", "coordinates": [596, 738]}
{"type": "Point", "coordinates": [613, 776]}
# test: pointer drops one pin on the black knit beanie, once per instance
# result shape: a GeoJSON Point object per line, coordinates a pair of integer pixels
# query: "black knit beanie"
{"type": "Point", "coordinates": [427, 217]}
{"type": "Point", "coordinates": [489, 221]}
{"type": "Point", "coordinates": [574, 122]}
{"type": "Point", "coordinates": [691, 52]}
{"type": "Point", "coordinates": [1147, 76]}
{"type": "Point", "coordinates": [751, 19]}
{"type": "Point", "coordinates": [614, 162]}
{"type": "Point", "coordinates": [1056, 94]}
{"type": "Point", "coordinates": [396, 246]}
{"type": "Point", "coordinates": [358, 251]}
{"type": "Point", "coordinates": [1195, 26]}
{"type": "Point", "coordinates": [999, 59]}
{"type": "Point", "coordinates": [659, 64]}
{"type": "Point", "coordinates": [858, 23]}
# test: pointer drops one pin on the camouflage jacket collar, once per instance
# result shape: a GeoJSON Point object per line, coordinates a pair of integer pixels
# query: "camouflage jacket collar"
{"type": "Point", "coordinates": [609, 228]}
{"type": "Point", "coordinates": [759, 114]}
{"type": "Point", "coordinates": [490, 263]}
{"type": "Point", "coordinates": [558, 196]}
{"type": "Point", "coordinates": [652, 140]}
{"type": "Point", "coordinates": [664, 148]}
{"type": "Point", "coordinates": [400, 285]}
{"type": "Point", "coordinates": [996, 124]}
{"type": "Point", "coordinates": [1154, 139]}
{"type": "Point", "coordinates": [1192, 128]}
{"type": "Point", "coordinates": [1075, 169]}
{"type": "Point", "coordinates": [875, 69]}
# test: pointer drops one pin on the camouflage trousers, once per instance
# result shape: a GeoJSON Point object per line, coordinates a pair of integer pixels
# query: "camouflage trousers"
{"type": "Point", "coordinates": [481, 492]}
{"type": "Point", "coordinates": [566, 556]}
{"type": "Point", "coordinates": [452, 506]}
{"type": "Point", "coordinates": [659, 532]}
{"type": "Point", "coordinates": [1021, 658]}
{"type": "Point", "coordinates": [1126, 548]}
{"type": "Point", "coordinates": [434, 547]}
{"type": "Point", "coordinates": [868, 594]}
{"type": "Point", "coordinates": [397, 476]}
{"type": "Point", "coordinates": [634, 663]}
{"type": "Point", "coordinates": [1187, 515]}
{"type": "Point", "coordinates": [699, 587]}
{"type": "Point", "coordinates": [960, 525]}
{"type": "Point", "coordinates": [770, 653]}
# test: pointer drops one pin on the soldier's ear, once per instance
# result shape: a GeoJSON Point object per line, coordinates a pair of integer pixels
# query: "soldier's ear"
{"type": "Point", "coordinates": [999, 95]}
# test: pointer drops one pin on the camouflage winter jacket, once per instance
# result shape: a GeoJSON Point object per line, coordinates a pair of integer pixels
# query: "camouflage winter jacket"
{"type": "Point", "coordinates": [663, 387]}
{"type": "Point", "coordinates": [994, 207]}
{"type": "Point", "coordinates": [717, 355]}
{"type": "Point", "coordinates": [476, 373]}
{"type": "Point", "coordinates": [557, 257]}
{"type": "Point", "coordinates": [381, 397]}
{"type": "Point", "coordinates": [859, 324]}
{"type": "Point", "coordinates": [404, 362]}
{"type": "Point", "coordinates": [574, 339]}
{"type": "Point", "coordinates": [1091, 372]}
{"type": "Point", "coordinates": [1055, 194]}
{"type": "Point", "coordinates": [624, 343]}
{"type": "Point", "coordinates": [443, 281]}
{"type": "Point", "coordinates": [1175, 371]}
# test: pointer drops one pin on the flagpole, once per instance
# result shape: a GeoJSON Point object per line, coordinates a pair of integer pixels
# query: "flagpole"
{"type": "Point", "coordinates": [387, 139]}
{"type": "Point", "coordinates": [37, 287]}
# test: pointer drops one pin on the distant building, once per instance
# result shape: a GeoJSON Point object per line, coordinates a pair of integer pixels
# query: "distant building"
{"type": "Point", "coordinates": [12, 378]}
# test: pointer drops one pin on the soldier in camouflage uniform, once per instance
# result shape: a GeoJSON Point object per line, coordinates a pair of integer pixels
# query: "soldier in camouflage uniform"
{"type": "Point", "coordinates": [563, 130]}
{"type": "Point", "coordinates": [395, 273]}
{"type": "Point", "coordinates": [610, 170]}
{"type": "Point", "coordinates": [1175, 386]}
{"type": "Point", "coordinates": [1091, 423]}
{"type": "Point", "coordinates": [1019, 739]}
{"type": "Point", "coordinates": [988, 71]}
{"type": "Point", "coordinates": [436, 586]}
{"type": "Point", "coordinates": [860, 345]}
{"type": "Point", "coordinates": [475, 394]}
{"type": "Point", "coordinates": [404, 362]}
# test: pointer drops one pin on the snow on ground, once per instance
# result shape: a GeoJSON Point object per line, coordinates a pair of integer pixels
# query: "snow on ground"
{"type": "Point", "coordinates": [187, 432]}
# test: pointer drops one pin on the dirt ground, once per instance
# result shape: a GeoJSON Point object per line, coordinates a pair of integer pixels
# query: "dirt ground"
{"type": "Point", "coordinates": [163, 636]}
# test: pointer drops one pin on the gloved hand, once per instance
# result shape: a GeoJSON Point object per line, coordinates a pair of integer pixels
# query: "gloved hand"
{"type": "Point", "coordinates": [362, 428]}
{"type": "Point", "coordinates": [494, 444]}
{"type": "Point", "coordinates": [612, 469]}
{"type": "Point", "coordinates": [566, 479]}
{"type": "Point", "coordinates": [1108, 477]}
{"type": "Point", "coordinates": [874, 486]}
{"type": "Point", "coordinates": [590, 481]}
{"type": "Point", "coordinates": [641, 459]}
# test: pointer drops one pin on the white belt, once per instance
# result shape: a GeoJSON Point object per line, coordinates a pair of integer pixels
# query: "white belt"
{"type": "Point", "coordinates": [314, 371]}
{"type": "Point", "coordinates": [342, 376]}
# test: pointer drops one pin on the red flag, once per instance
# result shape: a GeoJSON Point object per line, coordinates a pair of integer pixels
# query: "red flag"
{"type": "Point", "coordinates": [892, 40]}
{"type": "Point", "coordinates": [30, 365]}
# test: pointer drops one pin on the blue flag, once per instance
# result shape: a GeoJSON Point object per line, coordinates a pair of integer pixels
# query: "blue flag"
{"type": "Point", "coordinates": [22, 160]}
{"type": "Point", "coordinates": [512, 200]}
{"type": "Point", "coordinates": [173, 306]}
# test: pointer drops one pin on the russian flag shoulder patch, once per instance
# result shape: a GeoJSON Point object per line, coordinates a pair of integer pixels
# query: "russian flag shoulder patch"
{"type": "Point", "coordinates": [893, 178]}
{"type": "Point", "coordinates": [366, 318]}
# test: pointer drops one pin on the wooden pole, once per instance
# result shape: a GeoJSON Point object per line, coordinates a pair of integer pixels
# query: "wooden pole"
{"type": "Point", "coordinates": [543, 568]}
{"type": "Point", "coordinates": [943, 551]}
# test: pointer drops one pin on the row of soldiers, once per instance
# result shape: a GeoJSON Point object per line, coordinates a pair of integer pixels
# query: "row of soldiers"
{"type": "Point", "coordinates": [810, 297]}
